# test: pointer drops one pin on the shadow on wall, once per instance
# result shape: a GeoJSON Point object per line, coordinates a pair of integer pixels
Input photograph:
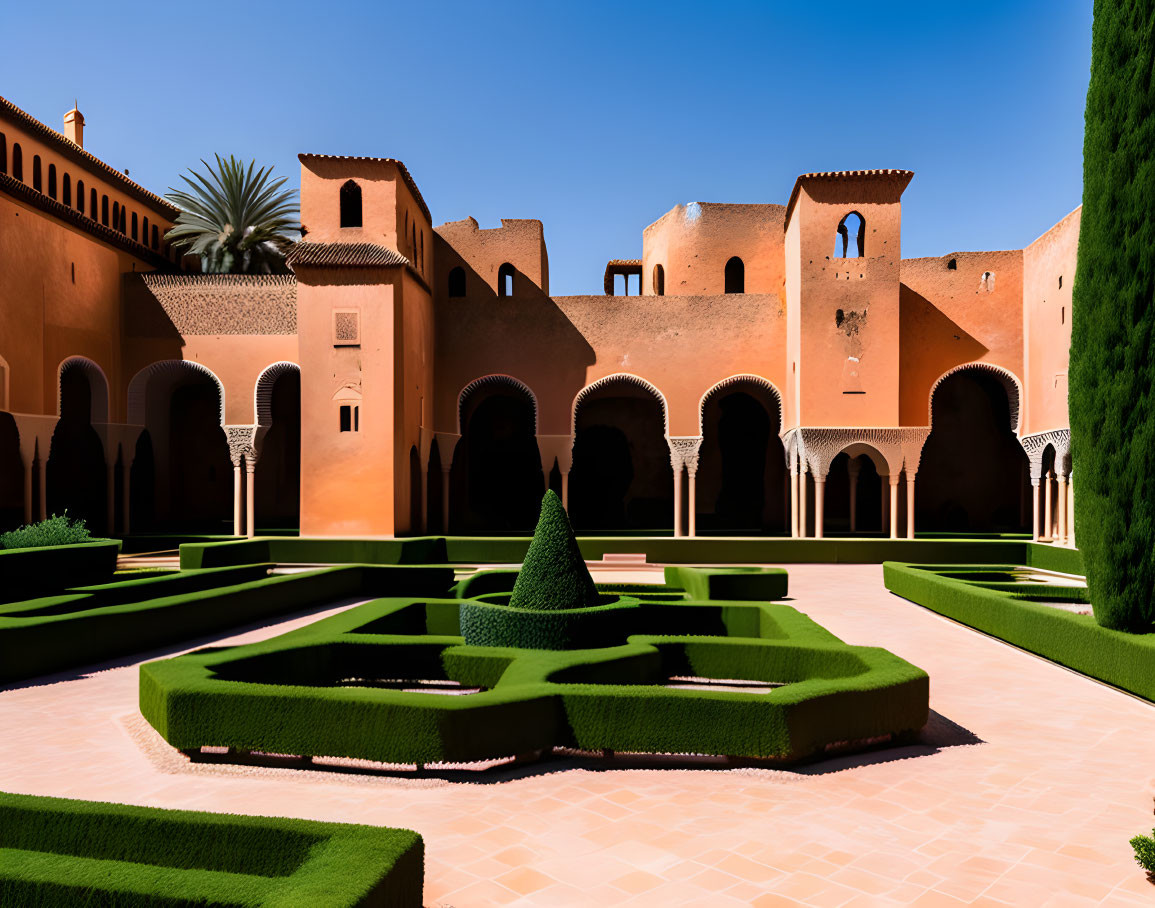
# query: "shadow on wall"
{"type": "Point", "coordinates": [11, 475]}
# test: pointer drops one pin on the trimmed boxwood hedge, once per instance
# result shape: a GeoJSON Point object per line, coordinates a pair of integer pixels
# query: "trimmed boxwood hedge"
{"type": "Point", "coordinates": [752, 583]}
{"type": "Point", "coordinates": [315, 691]}
{"type": "Point", "coordinates": [55, 851]}
{"type": "Point", "coordinates": [51, 635]}
{"type": "Point", "coordinates": [1007, 612]}
{"type": "Point", "coordinates": [658, 550]}
{"type": "Point", "coordinates": [44, 569]}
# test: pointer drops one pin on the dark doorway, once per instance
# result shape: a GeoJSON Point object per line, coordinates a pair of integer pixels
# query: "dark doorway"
{"type": "Point", "coordinates": [11, 475]}
{"type": "Point", "coordinates": [971, 475]}
{"type": "Point", "coordinates": [200, 473]}
{"type": "Point", "coordinates": [869, 487]}
{"type": "Point", "coordinates": [621, 477]}
{"type": "Point", "coordinates": [278, 475]}
{"type": "Point", "coordinates": [76, 475]}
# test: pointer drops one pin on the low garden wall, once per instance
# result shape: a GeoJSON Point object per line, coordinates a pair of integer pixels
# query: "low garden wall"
{"type": "Point", "coordinates": [58, 851]}
{"type": "Point", "coordinates": [25, 572]}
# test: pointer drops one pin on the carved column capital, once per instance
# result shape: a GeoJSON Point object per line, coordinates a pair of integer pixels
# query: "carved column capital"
{"type": "Point", "coordinates": [242, 442]}
{"type": "Point", "coordinates": [684, 451]}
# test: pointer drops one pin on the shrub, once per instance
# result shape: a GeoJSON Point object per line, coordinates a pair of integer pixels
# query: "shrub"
{"type": "Point", "coordinates": [554, 574]}
{"type": "Point", "coordinates": [1144, 846]}
{"type": "Point", "coordinates": [58, 529]}
{"type": "Point", "coordinates": [1112, 367]}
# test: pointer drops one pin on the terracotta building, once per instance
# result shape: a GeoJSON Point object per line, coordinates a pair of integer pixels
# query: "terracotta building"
{"type": "Point", "coordinates": [763, 368]}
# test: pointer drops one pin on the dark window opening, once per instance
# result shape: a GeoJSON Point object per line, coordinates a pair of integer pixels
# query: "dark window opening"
{"type": "Point", "coordinates": [74, 272]}
{"type": "Point", "coordinates": [66, 187]}
{"type": "Point", "coordinates": [3, 153]}
{"type": "Point", "coordinates": [135, 225]}
{"type": "Point", "coordinates": [104, 210]}
{"type": "Point", "coordinates": [116, 215]}
{"type": "Point", "coordinates": [37, 184]}
{"type": "Point", "coordinates": [659, 280]}
{"type": "Point", "coordinates": [80, 196]}
{"type": "Point", "coordinates": [1063, 315]}
{"type": "Point", "coordinates": [144, 231]}
{"type": "Point", "coordinates": [952, 265]}
{"type": "Point", "coordinates": [350, 204]}
{"type": "Point", "coordinates": [735, 276]}
{"type": "Point", "coordinates": [17, 162]}
{"type": "Point", "coordinates": [51, 181]}
{"type": "Point", "coordinates": [350, 418]}
{"type": "Point", "coordinates": [457, 282]}
{"type": "Point", "coordinates": [92, 207]}
{"type": "Point", "coordinates": [1060, 282]}
{"type": "Point", "coordinates": [505, 280]}
{"type": "Point", "coordinates": [850, 242]}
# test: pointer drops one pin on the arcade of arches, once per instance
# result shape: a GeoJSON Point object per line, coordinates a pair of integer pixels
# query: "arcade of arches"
{"type": "Point", "coordinates": [619, 471]}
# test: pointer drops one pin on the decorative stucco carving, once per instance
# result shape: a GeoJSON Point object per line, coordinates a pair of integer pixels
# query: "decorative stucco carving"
{"type": "Point", "coordinates": [816, 448]}
{"type": "Point", "coordinates": [628, 378]}
{"type": "Point", "coordinates": [684, 451]}
{"type": "Point", "coordinates": [731, 382]}
{"type": "Point", "coordinates": [1036, 447]}
{"type": "Point", "coordinates": [264, 394]}
{"type": "Point", "coordinates": [1010, 383]}
{"type": "Point", "coordinates": [242, 443]}
{"type": "Point", "coordinates": [208, 304]}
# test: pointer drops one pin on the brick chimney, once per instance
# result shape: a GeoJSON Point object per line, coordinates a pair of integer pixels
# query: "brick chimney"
{"type": "Point", "coordinates": [74, 127]}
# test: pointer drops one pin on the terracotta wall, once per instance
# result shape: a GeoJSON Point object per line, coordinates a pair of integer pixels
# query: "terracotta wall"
{"type": "Point", "coordinates": [520, 242]}
{"type": "Point", "coordinates": [693, 242]}
{"type": "Point", "coordinates": [1048, 276]}
{"type": "Point", "coordinates": [954, 313]}
{"type": "Point", "coordinates": [559, 345]}
{"type": "Point", "coordinates": [413, 374]}
{"type": "Point", "coordinates": [321, 180]}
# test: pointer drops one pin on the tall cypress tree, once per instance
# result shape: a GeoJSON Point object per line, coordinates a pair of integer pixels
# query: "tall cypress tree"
{"type": "Point", "coordinates": [1112, 371]}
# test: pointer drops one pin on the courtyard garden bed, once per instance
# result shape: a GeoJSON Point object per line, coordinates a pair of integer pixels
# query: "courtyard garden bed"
{"type": "Point", "coordinates": [96, 623]}
{"type": "Point", "coordinates": [55, 851]}
{"type": "Point", "coordinates": [45, 569]}
{"type": "Point", "coordinates": [1030, 615]}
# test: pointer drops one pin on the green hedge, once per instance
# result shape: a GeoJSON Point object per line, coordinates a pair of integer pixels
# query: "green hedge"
{"type": "Point", "coordinates": [658, 550]}
{"type": "Point", "coordinates": [294, 694]}
{"type": "Point", "coordinates": [493, 621]}
{"type": "Point", "coordinates": [44, 569]}
{"type": "Point", "coordinates": [759, 584]}
{"type": "Point", "coordinates": [65, 852]}
{"type": "Point", "coordinates": [65, 634]}
{"type": "Point", "coordinates": [1076, 641]}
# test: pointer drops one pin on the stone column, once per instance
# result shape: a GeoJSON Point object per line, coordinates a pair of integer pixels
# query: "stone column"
{"type": "Point", "coordinates": [238, 498]}
{"type": "Point", "coordinates": [1035, 535]}
{"type": "Point", "coordinates": [802, 500]}
{"type": "Point", "coordinates": [894, 506]}
{"type": "Point", "coordinates": [852, 468]}
{"type": "Point", "coordinates": [1048, 512]}
{"type": "Point", "coordinates": [794, 500]}
{"type": "Point", "coordinates": [910, 505]}
{"type": "Point", "coordinates": [1071, 511]}
{"type": "Point", "coordinates": [683, 454]}
{"type": "Point", "coordinates": [678, 499]}
{"type": "Point", "coordinates": [819, 504]}
{"type": "Point", "coordinates": [250, 470]}
{"type": "Point", "coordinates": [883, 503]}
{"type": "Point", "coordinates": [1062, 507]}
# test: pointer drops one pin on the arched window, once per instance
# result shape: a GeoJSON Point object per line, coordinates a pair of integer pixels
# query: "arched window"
{"type": "Point", "coordinates": [134, 226]}
{"type": "Point", "coordinates": [122, 224]}
{"type": "Point", "coordinates": [851, 239]}
{"type": "Point", "coordinates": [659, 281]}
{"type": "Point", "coordinates": [116, 215]}
{"type": "Point", "coordinates": [350, 204]}
{"type": "Point", "coordinates": [735, 276]}
{"type": "Point", "coordinates": [80, 196]}
{"type": "Point", "coordinates": [104, 210]}
{"type": "Point", "coordinates": [37, 183]}
{"type": "Point", "coordinates": [144, 231]}
{"type": "Point", "coordinates": [3, 153]}
{"type": "Point", "coordinates": [51, 181]}
{"type": "Point", "coordinates": [17, 162]}
{"type": "Point", "coordinates": [456, 282]}
{"type": "Point", "coordinates": [92, 207]}
{"type": "Point", "coordinates": [505, 280]}
{"type": "Point", "coordinates": [155, 237]}
{"type": "Point", "coordinates": [67, 190]}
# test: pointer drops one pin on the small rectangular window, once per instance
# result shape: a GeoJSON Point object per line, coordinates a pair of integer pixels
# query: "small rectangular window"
{"type": "Point", "coordinates": [356, 419]}
{"type": "Point", "coordinates": [346, 418]}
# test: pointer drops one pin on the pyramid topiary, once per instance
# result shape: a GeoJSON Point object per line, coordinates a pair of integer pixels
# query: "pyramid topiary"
{"type": "Point", "coordinates": [554, 574]}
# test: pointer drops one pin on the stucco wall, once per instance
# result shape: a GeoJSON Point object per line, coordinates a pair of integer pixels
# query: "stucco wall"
{"type": "Point", "coordinates": [520, 242]}
{"type": "Point", "coordinates": [556, 346]}
{"type": "Point", "coordinates": [1048, 276]}
{"type": "Point", "coordinates": [693, 243]}
{"type": "Point", "coordinates": [952, 316]}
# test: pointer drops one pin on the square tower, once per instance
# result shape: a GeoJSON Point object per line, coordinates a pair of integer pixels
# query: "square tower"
{"type": "Point", "coordinates": [364, 323]}
{"type": "Point", "coordinates": [843, 255]}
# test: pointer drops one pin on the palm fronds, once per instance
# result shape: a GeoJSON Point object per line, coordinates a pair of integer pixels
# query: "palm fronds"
{"type": "Point", "coordinates": [238, 220]}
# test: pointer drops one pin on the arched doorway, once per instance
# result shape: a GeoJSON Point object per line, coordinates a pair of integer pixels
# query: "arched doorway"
{"type": "Point", "coordinates": [857, 493]}
{"type": "Point", "coordinates": [973, 473]}
{"type": "Point", "coordinates": [741, 479]}
{"type": "Point", "coordinates": [11, 474]}
{"type": "Point", "coordinates": [277, 480]}
{"type": "Point", "coordinates": [497, 478]}
{"type": "Point", "coordinates": [621, 477]}
{"type": "Point", "coordinates": [77, 480]}
{"type": "Point", "coordinates": [181, 404]}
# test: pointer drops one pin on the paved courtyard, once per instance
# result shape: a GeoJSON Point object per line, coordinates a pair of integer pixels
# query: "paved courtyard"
{"type": "Point", "coordinates": [1028, 785]}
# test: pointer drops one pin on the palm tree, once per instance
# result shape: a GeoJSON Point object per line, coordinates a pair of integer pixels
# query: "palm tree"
{"type": "Point", "coordinates": [237, 221]}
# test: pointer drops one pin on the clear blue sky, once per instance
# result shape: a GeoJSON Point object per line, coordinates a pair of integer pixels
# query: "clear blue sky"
{"type": "Point", "coordinates": [594, 117]}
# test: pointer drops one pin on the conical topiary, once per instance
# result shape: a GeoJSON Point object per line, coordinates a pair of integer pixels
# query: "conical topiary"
{"type": "Point", "coordinates": [554, 574]}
